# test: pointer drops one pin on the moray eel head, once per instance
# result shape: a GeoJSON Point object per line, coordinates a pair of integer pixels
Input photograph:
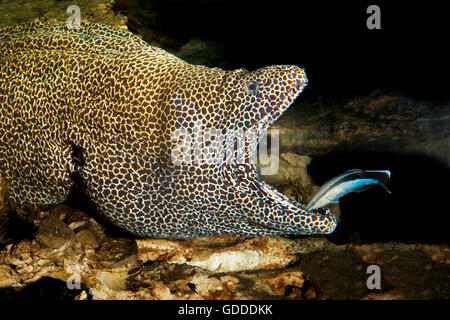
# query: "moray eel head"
{"type": "Point", "coordinates": [259, 98]}
{"type": "Point", "coordinates": [227, 194]}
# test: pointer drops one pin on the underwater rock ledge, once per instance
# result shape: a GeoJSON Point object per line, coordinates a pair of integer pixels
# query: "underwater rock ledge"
{"type": "Point", "coordinates": [71, 246]}
{"type": "Point", "coordinates": [380, 122]}
{"type": "Point", "coordinates": [22, 11]}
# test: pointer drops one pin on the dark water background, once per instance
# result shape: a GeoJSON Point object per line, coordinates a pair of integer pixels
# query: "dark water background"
{"type": "Point", "coordinates": [328, 38]}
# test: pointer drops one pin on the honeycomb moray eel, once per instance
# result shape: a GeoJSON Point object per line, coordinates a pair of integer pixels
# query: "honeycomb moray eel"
{"type": "Point", "coordinates": [99, 107]}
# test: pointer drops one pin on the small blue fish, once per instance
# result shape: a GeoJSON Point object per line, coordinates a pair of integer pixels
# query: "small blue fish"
{"type": "Point", "coordinates": [356, 180]}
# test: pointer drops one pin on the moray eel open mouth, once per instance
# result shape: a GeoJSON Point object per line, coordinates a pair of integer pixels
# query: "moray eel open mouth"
{"type": "Point", "coordinates": [140, 130]}
{"type": "Point", "coordinates": [259, 204]}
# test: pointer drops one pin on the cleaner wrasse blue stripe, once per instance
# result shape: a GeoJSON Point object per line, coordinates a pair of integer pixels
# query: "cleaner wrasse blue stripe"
{"type": "Point", "coordinates": [355, 180]}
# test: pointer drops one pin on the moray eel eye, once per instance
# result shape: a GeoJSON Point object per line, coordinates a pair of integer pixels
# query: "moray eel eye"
{"type": "Point", "coordinates": [251, 87]}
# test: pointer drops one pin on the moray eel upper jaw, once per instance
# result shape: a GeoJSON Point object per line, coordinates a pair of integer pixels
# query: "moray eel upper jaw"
{"type": "Point", "coordinates": [261, 96]}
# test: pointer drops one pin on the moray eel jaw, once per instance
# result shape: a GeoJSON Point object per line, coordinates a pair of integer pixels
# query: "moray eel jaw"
{"type": "Point", "coordinates": [256, 203]}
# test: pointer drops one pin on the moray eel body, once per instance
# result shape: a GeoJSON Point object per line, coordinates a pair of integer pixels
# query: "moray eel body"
{"type": "Point", "coordinates": [100, 107]}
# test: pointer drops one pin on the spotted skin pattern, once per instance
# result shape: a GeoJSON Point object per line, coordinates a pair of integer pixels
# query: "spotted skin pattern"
{"type": "Point", "coordinates": [100, 107]}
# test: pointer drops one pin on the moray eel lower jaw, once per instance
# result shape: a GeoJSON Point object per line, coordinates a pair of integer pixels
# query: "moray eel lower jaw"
{"type": "Point", "coordinates": [264, 206]}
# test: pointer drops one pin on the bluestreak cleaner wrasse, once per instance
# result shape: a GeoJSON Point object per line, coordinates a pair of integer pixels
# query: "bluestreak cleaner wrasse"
{"type": "Point", "coordinates": [356, 180]}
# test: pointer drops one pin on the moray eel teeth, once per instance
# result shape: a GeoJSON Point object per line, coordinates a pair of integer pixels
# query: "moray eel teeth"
{"type": "Point", "coordinates": [100, 108]}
